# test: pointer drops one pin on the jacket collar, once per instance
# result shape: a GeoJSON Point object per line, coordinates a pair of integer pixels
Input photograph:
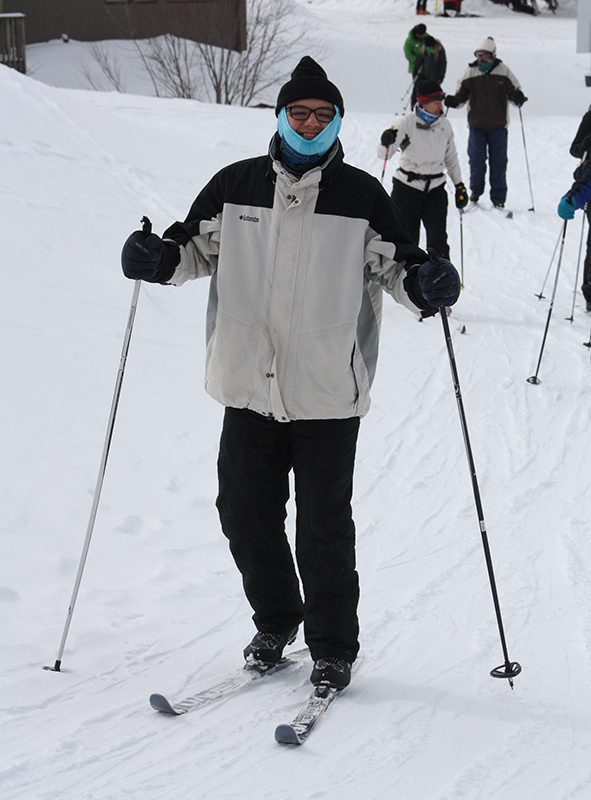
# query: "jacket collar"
{"type": "Point", "coordinates": [423, 125]}
{"type": "Point", "coordinates": [495, 64]}
{"type": "Point", "coordinates": [327, 170]}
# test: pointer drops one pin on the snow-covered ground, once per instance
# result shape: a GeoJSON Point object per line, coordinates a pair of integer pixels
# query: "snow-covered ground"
{"type": "Point", "coordinates": [161, 606]}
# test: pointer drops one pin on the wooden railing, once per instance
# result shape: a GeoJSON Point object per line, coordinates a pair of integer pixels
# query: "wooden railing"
{"type": "Point", "coordinates": [12, 41]}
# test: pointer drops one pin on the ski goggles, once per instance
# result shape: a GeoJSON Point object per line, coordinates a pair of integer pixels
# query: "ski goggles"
{"type": "Point", "coordinates": [484, 55]}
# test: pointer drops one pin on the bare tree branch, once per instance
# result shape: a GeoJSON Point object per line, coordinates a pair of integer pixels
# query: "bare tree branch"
{"type": "Point", "coordinates": [173, 65]}
{"type": "Point", "coordinates": [183, 68]}
{"type": "Point", "coordinates": [109, 66]}
{"type": "Point", "coordinates": [239, 78]}
{"type": "Point", "coordinates": [147, 65]}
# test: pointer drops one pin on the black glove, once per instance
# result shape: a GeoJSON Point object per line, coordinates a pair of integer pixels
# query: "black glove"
{"type": "Point", "coordinates": [517, 97]}
{"type": "Point", "coordinates": [388, 137]}
{"type": "Point", "coordinates": [461, 196]}
{"type": "Point", "coordinates": [451, 101]}
{"type": "Point", "coordinates": [439, 282]}
{"type": "Point", "coordinates": [146, 257]}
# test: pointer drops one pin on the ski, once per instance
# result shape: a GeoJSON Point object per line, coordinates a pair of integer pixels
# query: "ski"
{"type": "Point", "coordinates": [228, 686]}
{"type": "Point", "coordinates": [297, 731]}
{"type": "Point", "coordinates": [473, 206]}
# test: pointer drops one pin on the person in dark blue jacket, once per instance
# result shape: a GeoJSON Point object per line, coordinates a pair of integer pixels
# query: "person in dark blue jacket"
{"type": "Point", "coordinates": [579, 195]}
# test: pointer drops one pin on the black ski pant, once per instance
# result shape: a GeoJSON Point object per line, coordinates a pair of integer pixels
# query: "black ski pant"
{"type": "Point", "coordinates": [430, 208]}
{"type": "Point", "coordinates": [256, 456]}
{"type": "Point", "coordinates": [586, 287]}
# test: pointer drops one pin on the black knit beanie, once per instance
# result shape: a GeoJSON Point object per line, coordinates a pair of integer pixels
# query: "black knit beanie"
{"type": "Point", "coordinates": [308, 80]}
{"type": "Point", "coordinates": [429, 90]}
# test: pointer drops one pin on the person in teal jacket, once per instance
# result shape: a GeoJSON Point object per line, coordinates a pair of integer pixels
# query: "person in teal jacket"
{"type": "Point", "coordinates": [413, 44]}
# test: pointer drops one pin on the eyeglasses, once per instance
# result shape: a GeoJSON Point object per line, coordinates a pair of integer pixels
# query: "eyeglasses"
{"type": "Point", "coordinates": [484, 55]}
{"type": "Point", "coordinates": [303, 112]}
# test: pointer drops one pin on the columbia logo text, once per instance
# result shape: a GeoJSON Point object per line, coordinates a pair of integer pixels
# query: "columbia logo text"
{"type": "Point", "coordinates": [246, 218]}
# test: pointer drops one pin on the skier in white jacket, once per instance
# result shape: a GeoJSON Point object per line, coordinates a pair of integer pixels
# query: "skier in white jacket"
{"type": "Point", "coordinates": [426, 141]}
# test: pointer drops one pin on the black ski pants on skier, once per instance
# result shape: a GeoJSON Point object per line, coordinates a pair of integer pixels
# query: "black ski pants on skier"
{"type": "Point", "coordinates": [430, 208]}
{"type": "Point", "coordinates": [256, 456]}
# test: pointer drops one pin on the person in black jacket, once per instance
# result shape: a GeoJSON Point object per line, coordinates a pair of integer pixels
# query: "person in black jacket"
{"type": "Point", "coordinates": [299, 246]}
{"type": "Point", "coordinates": [581, 145]}
{"type": "Point", "coordinates": [581, 148]}
{"type": "Point", "coordinates": [430, 65]}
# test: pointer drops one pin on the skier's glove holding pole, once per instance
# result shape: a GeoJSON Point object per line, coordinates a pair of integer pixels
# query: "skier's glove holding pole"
{"type": "Point", "coordinates": [517, 97]}
{"type": "Point", "coordinates": [566, 208]}
{"type": "Point", "coordinates": [461, 196]}
{"type": "Point", "coordinates": [439, 282]}
{"type": "Point", "coordinates": [387, 139]}
{"type": "Point", "coordinates": [146, 257]}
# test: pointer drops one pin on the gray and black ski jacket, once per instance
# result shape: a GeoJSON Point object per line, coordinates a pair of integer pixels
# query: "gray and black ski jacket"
{"type": "Point", "coordinates": [298, 268]}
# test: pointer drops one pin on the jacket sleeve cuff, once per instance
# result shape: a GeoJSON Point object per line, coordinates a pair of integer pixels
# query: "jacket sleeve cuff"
{"type": "Point", "coordinates": [169, 263]}
{"type": "Point", "coordinates": [411, 287]}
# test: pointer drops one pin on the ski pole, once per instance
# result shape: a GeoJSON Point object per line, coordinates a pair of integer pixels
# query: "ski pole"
{"type": "Point", "coordinates": [409, 94]}
{"type": "Point", "coordinates": [408, 91]}
{"type": "Point", "coordinates": [384, 168]}
{"type": "Point", "coordinates": [541, 296]}
{"type": "Point", "coordinates": [461, 248]}
{"type": "Point", "coordinates": [510, 669]}
{"type": "Point", "coordinates": [531, 192]}
{"type": "Point", "coordinates": [572, 311]}
{"type": "Point", "coordinates": [534, 378]}
{"type": "Point", "coordinates": [147, 229]}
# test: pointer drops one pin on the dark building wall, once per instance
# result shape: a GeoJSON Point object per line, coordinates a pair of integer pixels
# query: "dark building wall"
{"type": "Point", "coordinates": [217, 22]}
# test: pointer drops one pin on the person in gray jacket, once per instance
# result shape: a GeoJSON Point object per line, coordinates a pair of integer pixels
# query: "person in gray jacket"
{"type": "Point", "coordinates": [299, 248]}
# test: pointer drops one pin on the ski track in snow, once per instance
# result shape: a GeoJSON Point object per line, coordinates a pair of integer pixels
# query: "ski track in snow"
{"type": "Point", "coordinates": [161, 607]}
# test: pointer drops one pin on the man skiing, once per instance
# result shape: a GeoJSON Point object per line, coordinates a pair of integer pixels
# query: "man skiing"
{"type": "Point", "coordinates": [486, 86]}
{"type": "Point", "coordinates": [300, 248]}
{"type": "Point", "coordinates": [430, 65]}
{"type": "Point", "coordinates": [413, 43]}
{"type": "Point", "coordinates": [427, 142]}
{"type": "Point", "coordinates": [579, 194]}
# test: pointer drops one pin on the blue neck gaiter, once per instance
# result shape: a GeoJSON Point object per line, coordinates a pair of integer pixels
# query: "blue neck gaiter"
{"type": "Point", "coordinates": [295, 162]}
{"type": "Point", "coordinates": [425, 117]}
{"type": "Point", "coordinates": [485, 66]}
{"type": "Point", "coordinates": [315, 147]}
